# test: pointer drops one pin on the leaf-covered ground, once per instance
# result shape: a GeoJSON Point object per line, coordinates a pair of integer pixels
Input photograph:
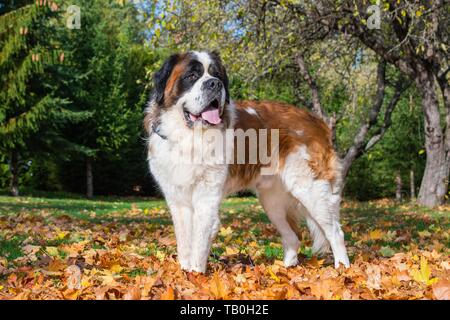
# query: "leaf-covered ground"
{"type": "Point", "coordinates": [68, 248]}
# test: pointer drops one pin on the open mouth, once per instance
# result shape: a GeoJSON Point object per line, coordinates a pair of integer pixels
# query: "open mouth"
{"type": "Point", "coordinates": [209, 115]}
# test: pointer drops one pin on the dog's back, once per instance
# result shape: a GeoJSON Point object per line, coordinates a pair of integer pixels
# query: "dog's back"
{"type": "Point", "coordinates": [296, 127]}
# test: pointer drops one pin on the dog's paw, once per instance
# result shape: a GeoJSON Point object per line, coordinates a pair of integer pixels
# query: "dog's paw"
{"type": "Point", "coordinates": [191, 268]}
{"type": "Point", "coordinates": [344, 261]}
{"type": "Point", "coordinates": [197, 269]}
{"type": "Point", "coordinates": [185, 267]}
{"type": "Point", "coordinates": [290, 260]}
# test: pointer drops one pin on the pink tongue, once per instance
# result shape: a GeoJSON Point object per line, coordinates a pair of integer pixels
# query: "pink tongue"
{"type": "Point", "coordinates": [212, 116]}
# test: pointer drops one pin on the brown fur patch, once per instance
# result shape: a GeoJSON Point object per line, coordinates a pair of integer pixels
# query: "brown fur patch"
{"type": "Point", "coordinates": [296, 127]}
{"type": "Point", "coordinates": [170, 92]}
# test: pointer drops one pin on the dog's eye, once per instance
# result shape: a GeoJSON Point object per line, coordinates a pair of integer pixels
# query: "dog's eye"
{"type": "Point", "coordinates": [192, 76]}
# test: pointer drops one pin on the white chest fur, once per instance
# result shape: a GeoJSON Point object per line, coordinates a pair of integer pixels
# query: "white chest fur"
{"type": "Point", "coordinates": [183, 160]}
{"type": "Point", "coordinates": [174, 164]}
{"type": "Point", "coordinates": [193, 191]}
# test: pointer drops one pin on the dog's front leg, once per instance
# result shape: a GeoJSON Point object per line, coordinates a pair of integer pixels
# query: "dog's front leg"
{"type": "Point", "coordinates": [182, 220]}
{"type": "Point", "coordinates": [205, 223]}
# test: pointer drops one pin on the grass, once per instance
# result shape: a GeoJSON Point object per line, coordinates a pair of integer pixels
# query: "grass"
{"type": "Point", "coordinates": [11, 248]}
{"type": "Point", "coordinates": [72, 205]}
{"type": "Point", "coordinates": [355, 215]}
{"type": "Point", "coordinates": [97, 210]}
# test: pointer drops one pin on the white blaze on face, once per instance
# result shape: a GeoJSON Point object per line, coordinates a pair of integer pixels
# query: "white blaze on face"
{"type": "Point", "coordinates": [206, 61]}
{"type": "Point", "coordinates": [193, 100]}
{"type": "Point", "coordinates": [203, 58]}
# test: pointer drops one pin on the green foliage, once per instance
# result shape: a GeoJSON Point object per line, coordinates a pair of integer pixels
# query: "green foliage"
{"type": "Point", "coordinates": [29, 101]}
{"type": "Point", "coordinates": [373, 175]}
{"type": "Point", "coordinates": [4, 172]}
{"type": "Point", "coordinates": [107, 73]}
{"type": "Point", "coordinates": [70, 94]}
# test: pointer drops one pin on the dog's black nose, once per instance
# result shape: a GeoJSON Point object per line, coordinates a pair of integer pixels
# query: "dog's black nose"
{"type": "Point", "coordinates": [213, 84]}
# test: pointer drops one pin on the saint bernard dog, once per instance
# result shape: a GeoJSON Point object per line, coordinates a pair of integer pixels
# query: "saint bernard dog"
{"type": "Point", "coordinates": [191, 97]}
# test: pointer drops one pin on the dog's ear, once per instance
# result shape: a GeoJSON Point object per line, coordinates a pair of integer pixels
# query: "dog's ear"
{"type": "Point", "coordinates": [216, 56]}
{"type": "Point", "coordinates": [161, 76]}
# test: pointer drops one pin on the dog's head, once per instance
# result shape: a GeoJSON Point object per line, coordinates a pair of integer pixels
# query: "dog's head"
{"type": "Point", "coordinates": [195, 84]}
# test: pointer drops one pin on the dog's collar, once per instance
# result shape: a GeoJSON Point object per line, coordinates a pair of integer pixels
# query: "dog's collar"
{"type": "Point", "coordinates": [155, 129]}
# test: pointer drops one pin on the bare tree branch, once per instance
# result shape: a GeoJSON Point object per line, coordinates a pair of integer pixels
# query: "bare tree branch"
{"type": "Point", "coordinates": [316, 105]}
{"type": "Point", "coordinates": [359, 140]}
{"type": "Point", "coordinates": [399, 89]}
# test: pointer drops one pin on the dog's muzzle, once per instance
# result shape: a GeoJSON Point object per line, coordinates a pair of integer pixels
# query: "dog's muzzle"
{"type": "Point", "coordinates": [211, 113]}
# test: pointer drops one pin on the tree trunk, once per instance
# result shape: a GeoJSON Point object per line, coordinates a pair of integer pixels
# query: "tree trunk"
{"type": "Point", "coordinates": [89, 179]}
{"type": "Point", "coordinates": [398, 187]}
{"type": "Point", "coordinates": [14, 169]}
{"type": "Point", "coordinates": [435, 178]}
{"type": "Point", "coordinates": [412, 185]}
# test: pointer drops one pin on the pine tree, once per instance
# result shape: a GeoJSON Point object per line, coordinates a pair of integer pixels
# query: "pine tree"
{"type": "Point", "coordinates": [102, 52]}
{"type": "Point", "coordinates": [31, 111]}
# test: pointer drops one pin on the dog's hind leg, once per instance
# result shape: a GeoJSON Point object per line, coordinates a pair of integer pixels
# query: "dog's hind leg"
{"type": "Point", "coordinates": [320, 242]}
{"type": "Point", "coordinates": [317, 197]}
{"type": "Point", "coordinates": [276, 202]}
{"type": "Point", "coordinates": [321, 205]}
